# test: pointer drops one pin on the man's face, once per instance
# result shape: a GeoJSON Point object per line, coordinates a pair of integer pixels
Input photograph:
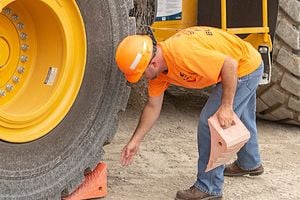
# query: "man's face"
{"type": "Point", "coordinates": [151, 72]}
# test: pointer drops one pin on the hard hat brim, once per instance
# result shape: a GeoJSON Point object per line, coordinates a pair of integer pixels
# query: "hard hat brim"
{"type": "Point", "coordinates": [133, 78]}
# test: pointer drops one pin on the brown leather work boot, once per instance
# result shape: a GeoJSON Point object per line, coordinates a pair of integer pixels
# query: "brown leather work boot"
{"type": "Point", "coordinates": [194, 194]}
{"type": "Point", "coordinates": [234, 170]}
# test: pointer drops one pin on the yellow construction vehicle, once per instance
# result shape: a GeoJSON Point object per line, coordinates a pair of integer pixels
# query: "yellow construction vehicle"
{"type": "Point", "coordinates": [255, 21]}
{"type": "Point", "coordinates": [60, 91]}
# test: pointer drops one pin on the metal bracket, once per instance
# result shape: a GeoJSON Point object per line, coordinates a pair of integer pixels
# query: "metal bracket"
{"type": "Point", "coordinates": [266, 57]}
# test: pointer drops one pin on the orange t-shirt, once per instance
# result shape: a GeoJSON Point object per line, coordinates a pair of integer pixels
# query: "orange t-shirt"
{"type": "Point", "coordinates": [195, 57]}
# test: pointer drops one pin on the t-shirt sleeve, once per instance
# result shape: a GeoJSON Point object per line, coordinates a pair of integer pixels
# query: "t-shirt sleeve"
{"type": "Point", "coordinates": [206, 63]}
{"type": "Point", "coordinates": [157, 87]}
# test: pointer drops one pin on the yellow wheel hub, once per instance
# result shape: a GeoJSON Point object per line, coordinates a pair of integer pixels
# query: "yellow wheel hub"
{"type": "Point", "coordinates": [4, 49]}
{"type": "Point", "coordinates": [42, 63]}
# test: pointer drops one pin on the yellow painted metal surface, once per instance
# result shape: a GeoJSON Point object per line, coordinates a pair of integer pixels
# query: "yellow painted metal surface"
{"type": "Point", "coordinates": [165, 29]}
{"type": "Point", "coordinates": [42, 68]}
{"type": "Point", "coordinates": [224, 14]}
{"type": "Point", "coordinates": [4, 49]}
{"type": "Point", "coordinates": [257, 39]}
{"type": "Point", "coordinates": [265, 19]}
{"type": "Point", "coordinates": [248, 30]}
{"type": "Point", "coordinates": [257, 35]}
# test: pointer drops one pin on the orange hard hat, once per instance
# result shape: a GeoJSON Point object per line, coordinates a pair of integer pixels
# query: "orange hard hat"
{"type": "Point", "coordinates": [133, 55]}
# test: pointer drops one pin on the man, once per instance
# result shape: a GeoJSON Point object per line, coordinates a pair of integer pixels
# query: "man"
{"type": "Point", "coordinates": [198, 57]}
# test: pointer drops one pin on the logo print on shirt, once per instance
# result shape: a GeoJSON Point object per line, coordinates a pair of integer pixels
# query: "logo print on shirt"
{"type": "Point", "coordinates": [208, 32]}
{"type": "Point", "coordinates": [204, 29]}
{"type": "Point", "coordinates": [187, 78]}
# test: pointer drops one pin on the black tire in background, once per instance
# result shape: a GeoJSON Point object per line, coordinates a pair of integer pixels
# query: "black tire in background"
{"type": "Point", "coordinates": [144, 12]}
{"type": "Point", "coordinates": [55, 164]}
{"type": "Point", "coordinates": [280, 100]}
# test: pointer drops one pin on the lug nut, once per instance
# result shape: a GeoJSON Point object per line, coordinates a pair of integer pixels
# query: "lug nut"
{"type": "Point", "coordinates": [2, 93]}
{"type": "Point", "coordinates": [24, 59]}
{"type": "Point", "coordinates": [21, 70]}
{"type": "Point", "coordinates": [24, 47]}
{"type": "Point", "coordinates": [23, 36]}
{"type": "Point", "coordinates": [14, 17]}
{"type": "Point", "coordinates": [7, 11]}
{"type": "Point", "coordinates": [15, 79]}
{"type": "Point", "coordinates": [9, 87]}
{"type": "Point", "coordinates": [20, 26]}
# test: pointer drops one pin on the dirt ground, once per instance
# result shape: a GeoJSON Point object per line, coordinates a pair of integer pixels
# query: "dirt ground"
{"type": "Point", "coordinates": [168, 156]}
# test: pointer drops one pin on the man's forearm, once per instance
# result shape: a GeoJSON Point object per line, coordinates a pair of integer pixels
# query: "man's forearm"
{"type": "Point", "coordinates": [229, 81]}
{"type": "Point", "coordinates": [148, 117]}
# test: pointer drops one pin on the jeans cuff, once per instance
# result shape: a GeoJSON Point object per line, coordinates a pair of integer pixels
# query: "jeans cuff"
{"type": "Point", "coordinates": [205, 191]}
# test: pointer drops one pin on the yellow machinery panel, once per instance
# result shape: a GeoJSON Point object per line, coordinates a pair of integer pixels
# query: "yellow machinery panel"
{"type": "Point", "coordinates": [167, 27]}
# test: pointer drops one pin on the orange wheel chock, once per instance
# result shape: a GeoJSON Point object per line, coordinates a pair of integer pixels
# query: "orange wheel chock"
{"type": "Point", "coordinates": [225, 143]}
{"type": "Point", "coordinates": [94, 185]}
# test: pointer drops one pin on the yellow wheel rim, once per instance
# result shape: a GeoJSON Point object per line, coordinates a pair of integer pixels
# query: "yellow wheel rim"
{"type": "Point", "coordinates": [42, 61]}
{"type": "Point", "coordinates": [4, 49]}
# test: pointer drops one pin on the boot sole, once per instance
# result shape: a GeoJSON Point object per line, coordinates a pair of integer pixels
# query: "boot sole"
{"type": "Point", "coordinates": [244, 173]}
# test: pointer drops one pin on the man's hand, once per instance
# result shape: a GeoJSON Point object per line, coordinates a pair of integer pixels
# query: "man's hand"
{"type": "Point", "coordinates": [149, 116]}
{"type": "Point", "coordinates": [225, 116]}
{"type": "Point", "coordinates": [128, 153]}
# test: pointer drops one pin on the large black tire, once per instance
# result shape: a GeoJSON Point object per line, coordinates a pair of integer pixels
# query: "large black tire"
{"type": "Point", "coordinates": [280, 101]}
{"type": "Point", "coordinates": [55, 164]}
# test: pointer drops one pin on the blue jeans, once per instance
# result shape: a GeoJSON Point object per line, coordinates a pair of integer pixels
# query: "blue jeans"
{"type": "Point", "coordinates": [244, 106]}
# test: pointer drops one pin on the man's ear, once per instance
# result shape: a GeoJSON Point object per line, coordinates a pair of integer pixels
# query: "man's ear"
{"type": "Point", "coordinates": [154, 64]}
{"type": "Point", "coordinates": [154, 61]}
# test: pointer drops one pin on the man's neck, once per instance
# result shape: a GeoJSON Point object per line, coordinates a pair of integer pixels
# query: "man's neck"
{"type": "Point", "coordinates": [162, 62]}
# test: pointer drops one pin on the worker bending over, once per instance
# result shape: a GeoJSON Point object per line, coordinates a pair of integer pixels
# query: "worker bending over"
{"type": "Point", "coordinates": [198, 57]}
